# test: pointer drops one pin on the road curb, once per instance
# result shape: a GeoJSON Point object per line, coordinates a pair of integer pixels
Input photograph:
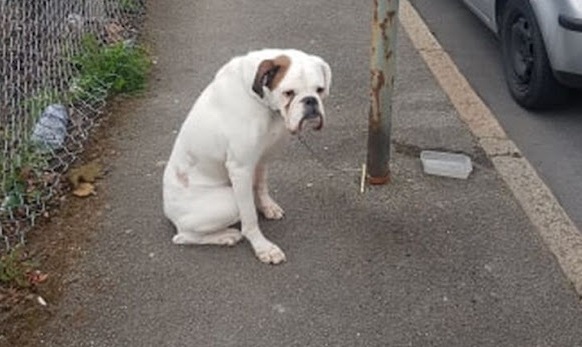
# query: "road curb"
{"type": "Point", "coordinates": [554, 226]}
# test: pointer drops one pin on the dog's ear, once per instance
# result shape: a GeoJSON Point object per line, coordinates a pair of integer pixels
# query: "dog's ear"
{"type": "Point", "coordinates": [269, 73]}
{"type": "Point", "coordinates": [327, 76]}
{"type": "Point", "coordinates": [326, 71]}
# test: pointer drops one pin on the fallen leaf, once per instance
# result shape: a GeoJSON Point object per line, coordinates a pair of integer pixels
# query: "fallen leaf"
{"type": "Point", "coordinates": [84, 189]}
{"type": "Point", "coordinates": [87, 173]}
{"type": "Point", "coordinates": [36, 277]}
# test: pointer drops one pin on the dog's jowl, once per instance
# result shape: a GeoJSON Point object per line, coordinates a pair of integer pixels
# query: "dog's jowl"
{"type": "Point", "coordinates": [217, 173]}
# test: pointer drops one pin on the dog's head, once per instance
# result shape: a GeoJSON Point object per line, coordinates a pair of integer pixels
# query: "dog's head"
{"type": "Point", "coordinates": [294, 83]}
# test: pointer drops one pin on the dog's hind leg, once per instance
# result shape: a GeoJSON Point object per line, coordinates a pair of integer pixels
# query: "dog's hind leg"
{"type": "Point", "coordinates": [226, 237]}
{"type": "Point", "coordinates": [208, 222]}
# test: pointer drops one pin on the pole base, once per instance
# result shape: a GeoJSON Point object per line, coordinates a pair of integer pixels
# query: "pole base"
{"type": "Point", "coordinates": [377, 181]}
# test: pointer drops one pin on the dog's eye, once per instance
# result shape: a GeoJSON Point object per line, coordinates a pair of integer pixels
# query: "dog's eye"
{"type": "Point", "coordinates": [320, 90]}
{"type": "Point", "coordinates": [289, 93]}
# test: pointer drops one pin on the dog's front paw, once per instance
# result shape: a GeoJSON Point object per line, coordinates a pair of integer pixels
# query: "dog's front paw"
{"type": "Point", "coordinates": [270, 209]}
{"type": "Point", "coordinates": [271, 254]}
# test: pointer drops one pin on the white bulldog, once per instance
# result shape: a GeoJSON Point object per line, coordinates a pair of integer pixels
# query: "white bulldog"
{"type": "Point", "coordinates": [216, 175]}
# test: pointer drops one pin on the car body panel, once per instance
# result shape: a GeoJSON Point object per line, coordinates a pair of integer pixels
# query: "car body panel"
{"type": "Point", "coordinates": [563, 45]}
{"type": "Point", "coordinates": [485, 10]}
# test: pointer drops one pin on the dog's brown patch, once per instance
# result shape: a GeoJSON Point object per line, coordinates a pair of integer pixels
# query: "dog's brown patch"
{"type": "Point", "coordinates": [182, 177]}
{"type": "Point", "coordinates": [270, 73]}
{"type": "Point", "coordinates": [284, 63]}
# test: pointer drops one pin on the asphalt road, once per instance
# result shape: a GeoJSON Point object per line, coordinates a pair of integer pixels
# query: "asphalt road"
{"type": "Point", "coordinates": [552, 141]}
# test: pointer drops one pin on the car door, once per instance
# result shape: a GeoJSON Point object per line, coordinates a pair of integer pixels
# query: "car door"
{"type": "Point", "coordinates": [484, 9]}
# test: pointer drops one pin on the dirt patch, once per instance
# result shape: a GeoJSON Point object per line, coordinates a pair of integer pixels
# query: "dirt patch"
{"type": "Point", "coordinates": [59, 241]}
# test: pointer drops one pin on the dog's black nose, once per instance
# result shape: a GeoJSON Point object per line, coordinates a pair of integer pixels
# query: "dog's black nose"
{"type": "Point", "coordinates": [310, 107]}
{"type": "Point", "coordinates": [309, 101]}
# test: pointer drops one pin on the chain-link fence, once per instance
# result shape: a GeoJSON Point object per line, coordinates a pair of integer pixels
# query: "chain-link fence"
{"type": "Point", "coordinates": [46, 107]}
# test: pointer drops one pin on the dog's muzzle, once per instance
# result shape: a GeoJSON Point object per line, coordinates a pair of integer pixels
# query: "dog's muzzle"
{"type": "Point", "coordinates": [311, 113]}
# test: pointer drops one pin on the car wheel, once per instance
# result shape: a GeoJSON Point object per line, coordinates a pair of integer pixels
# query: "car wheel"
{"type": "Point", "coordinates": [529, 77]}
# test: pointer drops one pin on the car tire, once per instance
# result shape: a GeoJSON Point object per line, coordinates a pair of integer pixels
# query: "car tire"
{"type": "Point", "coordinates": [527, 69]}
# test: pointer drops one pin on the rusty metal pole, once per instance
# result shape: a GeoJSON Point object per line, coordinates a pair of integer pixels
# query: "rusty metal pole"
{"type": "Point", "coordinates": [382, 68]}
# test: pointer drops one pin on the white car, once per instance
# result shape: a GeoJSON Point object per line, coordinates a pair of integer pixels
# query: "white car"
{"type": "Point", "coordinates": [541, 44]}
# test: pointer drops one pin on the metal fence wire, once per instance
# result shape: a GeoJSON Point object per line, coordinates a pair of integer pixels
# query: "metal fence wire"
{"type": "Point", "coordinates": [42, 127]}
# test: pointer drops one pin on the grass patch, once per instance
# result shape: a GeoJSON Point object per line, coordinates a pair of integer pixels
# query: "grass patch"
{"type": "Point", "coordinates": [106, 70]}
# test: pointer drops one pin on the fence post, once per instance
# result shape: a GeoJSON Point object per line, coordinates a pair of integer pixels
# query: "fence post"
{"type": "Point", "coordinates": [382, 68]}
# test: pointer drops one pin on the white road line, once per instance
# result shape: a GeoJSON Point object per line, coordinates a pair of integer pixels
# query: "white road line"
{"type": "Point", "coordinates": [556, 229]}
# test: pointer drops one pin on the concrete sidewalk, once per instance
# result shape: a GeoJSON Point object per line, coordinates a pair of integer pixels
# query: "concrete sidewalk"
{"type": "Point", "coordinates": [425, 261]}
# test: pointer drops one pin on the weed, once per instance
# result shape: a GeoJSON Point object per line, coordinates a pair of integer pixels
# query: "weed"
{"type": "Point", "coordinates": [14, 269]}
{"type": "Point", "coordinates": [109, 69]}
{"type": "Point", "coordinates": [23, 181]}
